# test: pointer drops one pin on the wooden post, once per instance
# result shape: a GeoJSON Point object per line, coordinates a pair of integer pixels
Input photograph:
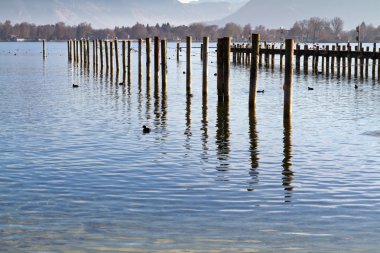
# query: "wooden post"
{"type": "Point", "coordinates": [260, 56]}
{"type": "Point", "coordinates": [68, 51]}
{"type": "Point", "coordinates": [333, 61]}
{"type": "Point", "coordinates": [93, 55]}
{"type": "Point", "coordinates": [298, 58]}
{"type": "Point", "coordinates": [163, 66]}
{"type": "Point", "coordinates": [305, 59]}
{"type": "Point", "coordinates": [106, 53]}
{"type": "Point", "coordinates": [124, 55]}
{"type": "Point", "coordinates": [328, 54]}
{"type": "Point", "coordinates": [124, 61]}
{"type": "Point", "coordinates": [288, 79]}
{"type": "Point", "coordinates": [344, 61]}
{"type": "Point", "coordinates": [156, 61]}
{"type": "Point", "coordinates": [281, 56]}
{"type": "Point", "coordinates": [101, 55]}
{"type": "Point", "coordinates": [43, 50]}
{"type": "Point", "coordinates": [148, 60]}
{"type": "Point", "coordinates": [88, 54]}
{"type": "Point", "coordinates": [378, 67]}
{"type": "Point", "coordinates": [349, 62]}
{"type": "Point", "coordinates": [254, 70]}
{"type": "Point", "coordinates": [77, 51]}
{"type": "Point", "coordinates": [273, 57]}
{"type": "Point", "coordinates": [205, 69]}
{"type": "Point", "coordinates": [361, 62]}
{"type": "Point", "coordinates": [374, 62]}
{"type": "Point", "coordinates": [356, 63]}
{"type": "Point", "coordinates": [338, 60]}
{"type": "Point", "coordinates": [111, 57]}
{"type": "Point", "coordinates": [129, 62]}
{"type": "Point", "coordinates": [223, 58]}
{"type": "Point", "coordinates": [140, 62]}
{"type": "Point", "coordinates": [188, 65]}
{"type": "Point", "coordinates": [81, 53]}
{"type": "Point", "coordinates": [366, 64]}
{"type": "Point", "coordinates": [178, 50]}
{"type": "Point", "coordinates": [117, 55]}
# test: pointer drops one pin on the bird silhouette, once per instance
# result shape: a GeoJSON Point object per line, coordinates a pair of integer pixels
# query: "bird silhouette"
{"type": "Point", "coordinates": [310, 88]}
{"type": "Point", "coordinates": [260, 91]}
{"type": "Point", "coordinates": [146, 129]}
{"type": "Point", "coordinates": [75, 85]}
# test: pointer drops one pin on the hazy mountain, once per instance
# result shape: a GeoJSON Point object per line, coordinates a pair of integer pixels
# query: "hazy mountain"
{"type": "Point", "coordinates": [275, 13]}
{"type": "Point", "coordinates": [110, 13]}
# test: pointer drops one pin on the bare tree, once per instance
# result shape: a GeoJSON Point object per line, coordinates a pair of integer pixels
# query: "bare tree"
{"type": "Point", "coordinates": [337, 26]}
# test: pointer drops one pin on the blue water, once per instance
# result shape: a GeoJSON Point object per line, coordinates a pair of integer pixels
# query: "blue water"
{"type": "Point", "coordinates": [78, 175]}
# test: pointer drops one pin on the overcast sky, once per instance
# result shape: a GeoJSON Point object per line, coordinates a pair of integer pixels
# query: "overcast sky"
{"type": "Point", "coordinates": [231, 1]}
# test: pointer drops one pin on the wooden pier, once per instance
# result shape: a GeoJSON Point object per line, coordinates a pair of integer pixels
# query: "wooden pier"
{"type": "Point", "coordinates": [340, 61]}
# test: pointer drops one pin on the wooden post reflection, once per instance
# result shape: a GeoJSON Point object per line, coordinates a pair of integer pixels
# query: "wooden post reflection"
{"type": "Point", "coordinates": [253, 149]}
{"type": "Point", "coordinates": [287, 173]}
{"type": "Point", "coordinates": [223, 134]}
{"type": "Point", "coordinates": [204, 129]}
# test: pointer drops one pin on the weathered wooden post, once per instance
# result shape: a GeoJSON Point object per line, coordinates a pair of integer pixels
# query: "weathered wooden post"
{"type": "Point", "coordinates": [111, 57]}
{"type": "Point", "coordinates": [288, 84]}
{"type": "Point", "coordinates": [43, 50]}
{"type": "Point", "coordinates": [77, 51]}
{"type": "Point", "coordinates": [367, 63]}
{"type": "Point", "coordinates": [298, 58]}
{"type": "Point", "coordinates": [156, 61]}
{"type": "Point", "coordinates": [328, 54]}
{"type": "Point", "coordinates": [178, 50]}
{"type": "Point", "coordinates": [205, 67]}
{"type": "Point", "coordinates": [338, 58]}
{"type": "Point", "coordinates": [147, 40]}
{"type": "Point", "coordinates": [305, 59]}
{"type": "Point", "coordinates": [163, 66]}
{"type": "Point", "coordinates": [260, 56]}
{"type": "Point", "coordinates": [333, 60]}
{"type": "Point", "coordinates": [129, 62]}
{"type": "Point", "coordinates": [255, 53]}
{"type": "Point", "coordinates": [361, 49]}
{"type": "Point", "coordinates": [74, 50]}
{"type": "Point", "coordinates": [356, 62]}
{"type": "Point", "coordinates": [344, 61]}
{"type": "Point", "coordinates": [140, 62]}
{"type": "Point", "coordinates": [188, 65]}
{"type": "Point", "coordinates": [378, 66]}
{"type": "Point", "coordinates": [81, 53]}
{"type": "Point", "coordinates": [223, 58]}
{"type": "Point", "coordinates": [117, 55]}
{"type": "Point", "coordinates": [272, 57]}
{"type": "Point", "coordinates": [281, 56]}
{"type": "Point", "coordinates": [93, 54]}
{"type": "Point", "coordinates": [107, 57]}
{"type": "Point", "coordinates": [88, 54]}
{"type": "Point", "coordinates": [374, 62]}
{"type": "Point", "coordinates": [123, 45]}
{"type": "Point", "coordinates": [101, 55]}
{"type": "Point", "coordinates": [349, 62]}
{"type": "Point", "coordinates": [68, 51]}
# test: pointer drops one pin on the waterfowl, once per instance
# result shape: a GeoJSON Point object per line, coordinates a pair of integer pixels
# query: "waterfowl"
{"type": "Point", "coordinates": [356, 86]}
{"type": "Point", "coordinates": [310, 88]}
{"type": "Point", "coordinates": [75, 85]}
{"type": "Point", "coordinates": [260, 91]}
{"type": "Point", "coordinates": [146, 129]}
{"type": "Point", "coordinates": [184, 72]}
{"type": "Point", "coordinates": [215, 74]}
{"type": "Point", "coordinates": [121, 83]}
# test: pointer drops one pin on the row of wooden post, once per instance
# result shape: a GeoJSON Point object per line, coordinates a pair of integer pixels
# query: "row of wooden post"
{"type": "Point", "coordinates": [223, 64]}
{"type": "Point", "coordinates": [339, 61]}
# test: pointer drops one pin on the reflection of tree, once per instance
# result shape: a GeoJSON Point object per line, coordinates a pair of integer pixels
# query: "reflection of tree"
{"type": "Point", "coordinates": [223, 134]}
{"type": "Point", "coordinates": [253, 149]}
{"type": "Point", "coordinates": [287, 173]}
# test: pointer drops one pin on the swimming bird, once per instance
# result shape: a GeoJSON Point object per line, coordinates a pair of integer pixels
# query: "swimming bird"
{"type": "Point", "coordinates": [184, 72]}
{"type": "Point", "coordinates": [260, 91]}
{"type": "Point", "coordinates": [146, 130]}
{"type": "Point", "coordinates": [75, 85]}
{"type": "Point", "coordinates": [215, 74]}
{"type": "Point", "coordinates": [356, 86]}
{"type": "Point", "coordinates": [310, 88]}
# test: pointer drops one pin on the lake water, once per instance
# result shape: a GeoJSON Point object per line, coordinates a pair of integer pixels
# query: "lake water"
{"type": "Point", "coordinates": [78, 175]}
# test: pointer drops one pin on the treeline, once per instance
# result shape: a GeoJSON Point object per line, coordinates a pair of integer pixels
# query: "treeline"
{"type": "Point", "coordinates": [312, 30]}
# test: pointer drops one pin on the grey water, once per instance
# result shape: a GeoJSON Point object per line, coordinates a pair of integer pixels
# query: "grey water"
{"type": "Point", "coordinates": [77, 174]}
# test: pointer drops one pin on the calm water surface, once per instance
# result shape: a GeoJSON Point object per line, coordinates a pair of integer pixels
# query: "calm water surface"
{"type": "Point", "coordinates": [78, 175]}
